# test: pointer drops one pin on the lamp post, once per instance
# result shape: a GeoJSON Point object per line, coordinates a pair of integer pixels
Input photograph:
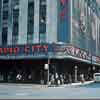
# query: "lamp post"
{"type": "Point", "coordinates": [76, 73]}
{"type": "Point", "coordinates": [93, 69]}
{"type": "Point", "coordinates": [46, 67]}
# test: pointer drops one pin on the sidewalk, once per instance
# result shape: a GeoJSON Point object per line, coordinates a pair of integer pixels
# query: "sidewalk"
{"type": "Point", "coordinates": [39, 86]}
{"type": "Point", "coordinates": [73, 84]}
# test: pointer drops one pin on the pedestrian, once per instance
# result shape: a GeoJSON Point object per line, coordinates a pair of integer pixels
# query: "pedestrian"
{"type": "Point", "coordinates": [70, 78]}
{"type": "Point", "coordinates": [52, 79]}
{"type": "Point", "coordinates": [19, 76]}
{"type": "Point", "coordinates": [56, 79]}
{"type": "Point", "coordinates": [42, 77]}
{"type": "Point", "coordinates": [61, 79]}
{"type": "Point", "coordinates": [82, 78]}
{"type": "Point", "coordinates": [29, 76]}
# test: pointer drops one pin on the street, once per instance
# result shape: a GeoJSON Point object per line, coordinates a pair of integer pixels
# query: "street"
{"type": "Point", "coordinates": [29, 91]}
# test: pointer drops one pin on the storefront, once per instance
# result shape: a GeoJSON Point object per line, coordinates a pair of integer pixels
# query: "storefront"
{"type": "Point", "coordinates": [26, 63]}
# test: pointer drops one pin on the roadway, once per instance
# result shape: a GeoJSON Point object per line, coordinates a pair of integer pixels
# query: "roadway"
{"type": "Point", "coordinates": [30, 91]}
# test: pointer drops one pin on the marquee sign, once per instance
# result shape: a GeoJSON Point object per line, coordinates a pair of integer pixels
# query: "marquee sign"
{"type": "Point", "coordinates": [47, 50]}
{"type": "Point", "coordinates": [24, 50]}
{"type": "Point", "coordinates": [72, 51]}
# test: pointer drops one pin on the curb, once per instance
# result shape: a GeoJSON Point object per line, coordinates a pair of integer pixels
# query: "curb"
{"type": "Point", "coordinates": [73, 84]}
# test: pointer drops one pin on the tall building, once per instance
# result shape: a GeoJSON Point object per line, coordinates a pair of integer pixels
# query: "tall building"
{"type": "Point", "coordinates": [60, 33]}
{"type": "Point", "coordinates": [31, 19]}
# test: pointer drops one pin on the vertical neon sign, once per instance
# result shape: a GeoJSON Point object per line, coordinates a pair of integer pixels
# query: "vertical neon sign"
{"type": "Point", "coordinates": [63, 21]}
{"type": "Point", "coordinates": [63, 8]}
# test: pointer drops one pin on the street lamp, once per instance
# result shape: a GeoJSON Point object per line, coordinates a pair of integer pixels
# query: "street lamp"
{"type": "Point", "coordinates": [76, 73]}
{"type": "Point", "coordinates": [46, 67]}
{"type": "Point", "coordinates": [93, 69]}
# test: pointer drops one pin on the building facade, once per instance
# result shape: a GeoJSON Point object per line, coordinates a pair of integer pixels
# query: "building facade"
{"type": "Point", "coordinates": [57, 32]}
{"type": "Point", "coordinates": [31, 19]}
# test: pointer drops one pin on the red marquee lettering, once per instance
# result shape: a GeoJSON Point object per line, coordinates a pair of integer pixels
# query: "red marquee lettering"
{"type": "Point", "coordinates": [38, 47]}
{"type": "Point", "coordinates": [33, 48]}
{"type": "Point", "coordinates": [10, 50]}
{"type": "Point", "coordinates": [45, 47]}
{"type": "Point", "coordinates": [16, 50]}
{"type": "Point", "coordinates": [1, 50]}
{"type": "Point", "coordinates": [27, 49]}
{"type": "Point", "coordinates": [5, 50]}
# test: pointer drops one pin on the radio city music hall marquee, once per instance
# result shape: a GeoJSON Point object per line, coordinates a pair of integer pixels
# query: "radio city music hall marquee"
{"type": "Point", "coordinates": [23, 49]}
{"type": "Point", "coordinates": [46, 50]}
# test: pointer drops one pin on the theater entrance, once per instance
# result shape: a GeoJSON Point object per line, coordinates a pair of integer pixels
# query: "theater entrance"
{"type": "Point", "coordinates": [22, 71]}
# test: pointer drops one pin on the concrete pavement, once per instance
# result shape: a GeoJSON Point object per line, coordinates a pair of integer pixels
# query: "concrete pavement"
{"type": "Point", "coordinates": [38, 86]}
{"type": "Point", "coordinates": [73, 84]}
{"type": "Point", "coordinates": [35, 91]}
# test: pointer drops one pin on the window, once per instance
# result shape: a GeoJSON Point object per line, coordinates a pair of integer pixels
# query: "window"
{"type": "Point", "coordinates": [0, 10]}
{"type": "Point", "coordinates": [15, 28]}
{"type": "Point", "coordinates": [5, 15]}
{"type": "Point", "coordinates": [42, 38]}
{"type": "Point", "coordinates": [42, 21]}
{"type": "Point", "coordinates": [15, 12]}
{"type": "Point", "coordinates": [29, 38]}
{"type": "Point", "coordinates": [5, 1]}
{"type": "Point", "coordinates": [15, 2]}
{"type": "Point", "coordinates": [15, 39]}
{"type": "Point", "coordinates": [30, 21]}
{"type": "Point", "coordinates": [15, 16]}
{"type": "Point", "coordinates": [4, 35]}
{"type": "Point", "coordinates": [15, 22]}
{"type": "Point", "coordinates": [0, 5]}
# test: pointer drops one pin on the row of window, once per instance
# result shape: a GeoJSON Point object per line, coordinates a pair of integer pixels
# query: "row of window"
{"type": "Point", "coordinates": [5, 22]}
{"type": "Point", "coordinates": [30, 21]}
{"type": "Point", "coordinates": [15, 21]}
{"type": "Point", "coordinates": [5, 1]}
{"type": "Point", "coordinates": [42, 21]}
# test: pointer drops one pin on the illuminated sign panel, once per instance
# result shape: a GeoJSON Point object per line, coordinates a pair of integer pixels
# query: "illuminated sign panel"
{"type": "Point", "coordinates": [72, 51]}
{"type": "Point", "coordinates": [24, 49]}
{"type": "Point", "coordinates": [47, 50]}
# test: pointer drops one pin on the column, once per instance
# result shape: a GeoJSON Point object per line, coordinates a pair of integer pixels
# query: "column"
{"type": "Point", "coordinates": [71, 19]}
{"type": "Point", "coordinates": [23, 11]}
{"type": "Point", "coordinates": [36, 22]}
{"type": "Point", "coordinates": [10, 25]}
{"type": "Point", "coordinates": [51, 30]}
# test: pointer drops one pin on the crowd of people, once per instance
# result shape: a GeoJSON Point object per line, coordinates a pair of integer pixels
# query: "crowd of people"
{"type": "Point", "coordinates": [59, 79]}
{"type": "Point", "coordinates": [54, 78]}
